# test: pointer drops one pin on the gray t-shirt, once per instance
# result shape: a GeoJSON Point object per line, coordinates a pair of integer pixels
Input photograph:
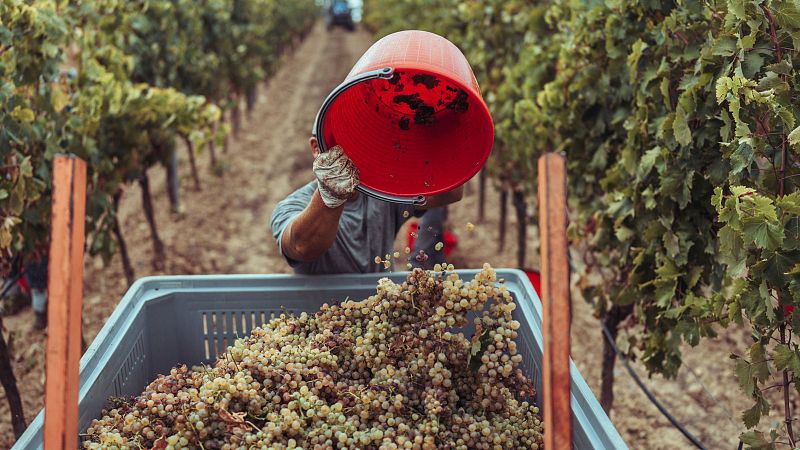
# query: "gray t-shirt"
{"type": "Point", "coordinates": [367, 228]}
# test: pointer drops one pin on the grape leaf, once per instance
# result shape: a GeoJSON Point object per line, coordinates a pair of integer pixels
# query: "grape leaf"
{"type": "Point", "coordinates": [787, 14]}
{"type": "Point", "coordinates": [23, 114]}
{"type": "Point", "coordinates": [745, 375]}
{"type": "Point", "coordinates": [766, 235]}
{"type": "Point", "coordinates": [752, 416]}
{"type": "Point", "coordinates": [681, 128]}
{"type": "Point", "coordinates": [786, 358]}
{"type": "Point", "coordinates": [759, 367]}
{"type": "Point", "coordinates": [58, 98]}
{"type": "Point", "coordinates": [783, 68]}
{"type": "Point", "coordinates": [738, 9]}
{"type": "Point", "coordinates": [794, 137]}
{"type": "Point", "coordinates": [756, 440]}
{"type": "Point", "coordinates": [741, 158]}
{"type": "Point", "coordinates": [732, 252]}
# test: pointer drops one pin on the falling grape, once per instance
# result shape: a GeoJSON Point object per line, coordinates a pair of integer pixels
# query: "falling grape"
{"type": "Point", "coordinates": [439, 246]}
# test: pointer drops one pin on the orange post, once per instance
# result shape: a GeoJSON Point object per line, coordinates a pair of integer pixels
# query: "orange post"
{"type": "Point", "coordinates": [65, 298]}
{"type": "Point", "coordinates": [555, 302]}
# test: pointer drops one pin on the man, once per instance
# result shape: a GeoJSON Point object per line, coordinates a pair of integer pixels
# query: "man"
{"type": "Point", "coordinates": [328, 227]}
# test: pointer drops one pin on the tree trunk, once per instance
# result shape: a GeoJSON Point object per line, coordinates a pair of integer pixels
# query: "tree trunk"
{"type": "Point", "coordinates": [226, 140]}
{"type": "Point", "coordinates": [251, 99]}
{"type": "Point", "coordinates": [149, 212]}
{"type": "Point", "coordinates": [173, 182]}
{"type": "Point", "coordinates": [612, 320]}
{"type": "Point", "coordinates": [522, 225]}
{"type": "Point", "coordinates": [9, 382]}
{"type": "Point", "coordinates": [212, 146]}
{"type": "Point", "coordinates": [192, 163]}
{"type": "Point", "coordinates": [482, 195]}
{"type": "Point", "coordinates": [503, 219]}
{"type": "Point", "coordinates": [123, 249]}
{"type": "Point", "coordinates": [236, 121]}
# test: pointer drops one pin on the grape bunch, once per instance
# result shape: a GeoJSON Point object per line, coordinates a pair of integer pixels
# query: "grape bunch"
{"type": "Point", "coordinates": [388, 372]}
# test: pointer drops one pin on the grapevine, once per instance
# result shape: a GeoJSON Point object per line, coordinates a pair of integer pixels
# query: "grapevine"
{"type": "Point", "coordinates": [387, 372]}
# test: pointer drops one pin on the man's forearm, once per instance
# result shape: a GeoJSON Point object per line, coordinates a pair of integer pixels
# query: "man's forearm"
{"type": "Point", "coordinates": [312, 232]}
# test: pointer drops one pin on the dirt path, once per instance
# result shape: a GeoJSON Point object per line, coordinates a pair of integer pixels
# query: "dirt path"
{"type": "Point", "coordinates": [224, 229]}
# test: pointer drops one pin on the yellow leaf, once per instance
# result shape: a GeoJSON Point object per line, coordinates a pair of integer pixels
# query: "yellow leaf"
{"type": "Point", "coordinates": [21, 114]}
{"type": "Point", "coordinates": [5, 238]}
{"type": "Point", "coordinates": [58, 98]}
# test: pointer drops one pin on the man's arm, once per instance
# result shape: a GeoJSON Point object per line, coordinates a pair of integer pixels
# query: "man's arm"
{"type": "Point", "coordinates": [309, 235]}
{"type": "Point", "coordinates": [444, 198]}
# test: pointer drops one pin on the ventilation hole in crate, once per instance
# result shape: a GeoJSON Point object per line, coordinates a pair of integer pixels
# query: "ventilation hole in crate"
{"type": "Point", "coordinates": [117, 386]}
{"type": "Point", "coordinates": [526, 349]}
{"type": "Point", "coordinates": [133, 362]}
{"type": "Point", "coordinates": [234, 327]}
{"type": "Point", "coordinates": [220, 329]}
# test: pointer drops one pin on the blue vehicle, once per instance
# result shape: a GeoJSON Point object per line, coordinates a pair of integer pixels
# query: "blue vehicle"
{"type": "Point", "coordinates": [339, 13]}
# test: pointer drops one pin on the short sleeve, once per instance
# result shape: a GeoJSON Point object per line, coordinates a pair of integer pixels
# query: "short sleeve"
{"type": "Point", "coordinates": [285, 212]}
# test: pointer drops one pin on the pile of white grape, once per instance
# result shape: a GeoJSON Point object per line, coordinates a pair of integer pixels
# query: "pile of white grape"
{"type": "Point", "coordinates": [388, 372]}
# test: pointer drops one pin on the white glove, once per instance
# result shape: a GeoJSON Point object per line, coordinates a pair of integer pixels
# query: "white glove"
{"type": "Point", "coordinates": [337, 177]}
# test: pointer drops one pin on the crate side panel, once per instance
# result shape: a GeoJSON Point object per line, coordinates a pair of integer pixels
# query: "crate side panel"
{"type": "Point", "coordinates": [123, 373]}
{"type": "Point", "coordinates": [165, 335]}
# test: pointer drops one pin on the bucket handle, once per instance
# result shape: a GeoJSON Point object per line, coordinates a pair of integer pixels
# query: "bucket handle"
{"type": "Point", "coordinates": [385, 73]}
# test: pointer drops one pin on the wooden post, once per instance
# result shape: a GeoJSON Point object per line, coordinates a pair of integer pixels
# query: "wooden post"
{"type": "Point", "coordinates": [65, 297]}
{"type": "Point", "coordinates": [555, 302]}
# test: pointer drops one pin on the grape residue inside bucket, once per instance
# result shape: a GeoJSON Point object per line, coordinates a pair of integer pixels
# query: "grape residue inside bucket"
{"type": "Point", "coordinates": [417, 98]}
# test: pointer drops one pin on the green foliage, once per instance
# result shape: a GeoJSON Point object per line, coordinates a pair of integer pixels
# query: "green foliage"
{"type": "Point", "coordinates": [679, 122]}
{"type": "Point", "coordinates": [115, 82]}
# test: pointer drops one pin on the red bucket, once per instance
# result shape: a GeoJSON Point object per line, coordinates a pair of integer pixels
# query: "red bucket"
{"type": "Point", "coordinates": [411, 117]}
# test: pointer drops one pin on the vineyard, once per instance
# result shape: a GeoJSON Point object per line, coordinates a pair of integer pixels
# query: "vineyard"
{"type": "Point", "coordinates": [678, 122]}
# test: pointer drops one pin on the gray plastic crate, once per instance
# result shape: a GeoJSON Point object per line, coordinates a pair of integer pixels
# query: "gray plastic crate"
{"type": "Point", "coordinates": [165, 321]}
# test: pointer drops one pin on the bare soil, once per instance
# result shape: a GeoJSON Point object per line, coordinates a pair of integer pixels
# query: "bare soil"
{"type": "Point", "coordinates": [224, 229]}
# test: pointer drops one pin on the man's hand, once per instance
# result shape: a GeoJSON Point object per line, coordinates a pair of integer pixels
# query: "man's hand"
{"type": "Point", "coordinates": [337, 177]}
